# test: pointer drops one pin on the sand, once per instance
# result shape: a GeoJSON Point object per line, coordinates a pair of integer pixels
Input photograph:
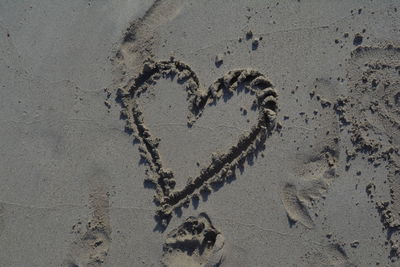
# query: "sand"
{"type": "Point", "coordinates": [200, 133]}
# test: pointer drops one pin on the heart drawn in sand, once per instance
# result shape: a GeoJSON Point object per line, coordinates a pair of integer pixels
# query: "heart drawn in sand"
{"type": "Point", "coordinates": [223, 165]}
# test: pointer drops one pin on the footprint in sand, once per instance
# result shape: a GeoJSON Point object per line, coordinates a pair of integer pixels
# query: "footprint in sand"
{"type": "Point", "coordinates": [196, 242]}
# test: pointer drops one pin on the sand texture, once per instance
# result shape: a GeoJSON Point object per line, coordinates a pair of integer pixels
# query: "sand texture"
{"type": "Point", "coordinates": [200, 133]}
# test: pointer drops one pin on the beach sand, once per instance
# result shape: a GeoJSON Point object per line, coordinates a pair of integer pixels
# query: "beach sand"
{"type": "Point", "coordinates": [200, 133]}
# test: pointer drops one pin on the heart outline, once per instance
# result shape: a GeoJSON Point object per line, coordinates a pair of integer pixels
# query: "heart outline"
{"type": "Point", "coordinates": [222, 165]}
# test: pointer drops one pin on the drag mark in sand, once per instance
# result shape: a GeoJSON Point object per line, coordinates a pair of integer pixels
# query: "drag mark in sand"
{"type": "Point", "coordinates": [94, 238]}
{"type": "Point", "coordinates": [139, 40]}
{"type": "Point", "coordinates": [223, 165]}
{"type": "Point", "coordinates": [314, 168]}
